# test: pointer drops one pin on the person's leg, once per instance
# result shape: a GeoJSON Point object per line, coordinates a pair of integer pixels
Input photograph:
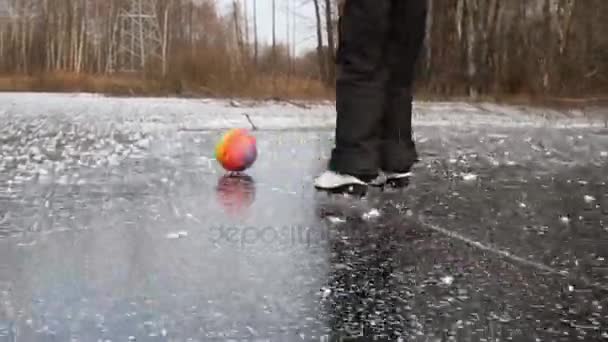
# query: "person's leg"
{"type": "Point", "coordinates": [408, 23]}
{"type": "Point", "coordinates": [361, 79]}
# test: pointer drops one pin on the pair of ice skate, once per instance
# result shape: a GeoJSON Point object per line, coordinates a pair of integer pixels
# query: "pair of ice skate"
{"type": "Point", "coordinates": [334, 182]}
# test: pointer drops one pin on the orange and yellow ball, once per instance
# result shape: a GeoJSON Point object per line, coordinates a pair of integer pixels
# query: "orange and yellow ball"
{"type": "Point", "coordinates": [237, 150]}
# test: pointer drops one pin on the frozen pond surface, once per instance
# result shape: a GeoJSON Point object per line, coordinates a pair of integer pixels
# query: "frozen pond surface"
{"type": "Point", "coordinates": [116, 224]}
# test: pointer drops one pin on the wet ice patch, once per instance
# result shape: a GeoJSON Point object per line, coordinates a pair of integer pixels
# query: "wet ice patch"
{"type": "Point", "coordinates": [325, 292]}
{"type": "Point", "coordinates": [192, 217]}
{"type": "Point", "coordinates": [469, 177]}
{"type": "Point", "coordinates": [589, 199]}
{"type": "Point", "coordinates": [144, 143]}
{"type": "Point", "coordinates": [335, 219]}
{"type": "Point", "coordinates": [6, 329]}
{"type": "Point", "coordinates": [177, 235]}
{"type": "Point", "coordinates": [113, 160]}
{"type": "Point", "coordinates": [63, 180]}
{"type": "Point", "coordinates": [447, 280]}
{"type": "Point", "coordinates": [27, 244]}
{"type": "Point", "coordinates": [5, 217]}
{"type": "Point", "coordinates": [539, 230]}
{"type": "Point", "coordinates": [372, 214]}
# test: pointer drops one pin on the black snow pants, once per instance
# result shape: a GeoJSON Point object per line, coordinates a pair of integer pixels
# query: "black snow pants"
{"type": "Point", "coordinates": [378, 47]}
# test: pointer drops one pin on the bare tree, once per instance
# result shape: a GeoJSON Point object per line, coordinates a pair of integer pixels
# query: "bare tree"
{"type": "Point", "coordinates": [255, 32]}
{"type": "Point", "coordinates": [320, 55]}
{"type": "Point", "coordinates": [331, 48]}
{"type": "Point", "coordinates": [165, 39]}
{"type": "Point", "coordinates": [493, 47]}
{"type": "Point", "coordinates": [429, 34]}
{"type": "Point", "coordinates": [274, 46]}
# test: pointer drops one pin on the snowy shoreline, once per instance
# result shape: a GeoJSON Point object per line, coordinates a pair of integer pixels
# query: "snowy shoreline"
{"type": "Point", "coordinates": [151, 113]}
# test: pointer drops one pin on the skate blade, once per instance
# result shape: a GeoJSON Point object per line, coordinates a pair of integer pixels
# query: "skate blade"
{"type": "Point", "coordinates": [356, 190]}
{"type": "Point", "coordinates": [398, 183]}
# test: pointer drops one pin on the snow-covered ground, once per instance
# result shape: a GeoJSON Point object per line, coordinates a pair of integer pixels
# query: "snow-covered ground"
{"type": "Point", "coordinates": [147, 115]}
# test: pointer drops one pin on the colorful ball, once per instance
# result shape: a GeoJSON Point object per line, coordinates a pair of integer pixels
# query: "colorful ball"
{"type": "Point", "coordinates": [237, 150]}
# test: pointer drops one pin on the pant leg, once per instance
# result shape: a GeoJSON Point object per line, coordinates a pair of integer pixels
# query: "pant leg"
{"type": "Point", "coordinates": [361, 78]}
{"type": "Point", "coordinates": [408, 23]}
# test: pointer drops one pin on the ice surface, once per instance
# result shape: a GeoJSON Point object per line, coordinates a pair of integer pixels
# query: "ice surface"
{"type": "Point", "coordinates": [153, 114]}
{"type": "Point", "coordinates": [372, 214]}
{"type": "Point", "coordinates": [469, 177]}
{"type": "Point", "coordinates": [447, 280]}
{"type": "Point", "coordinates": [335, 219]}
{"type": "Point", "coordinates": [99, 195]}
{"type": "Point", "coordinates": [177, 235]}
{"type": "Point", "coordinates": [589, 198]}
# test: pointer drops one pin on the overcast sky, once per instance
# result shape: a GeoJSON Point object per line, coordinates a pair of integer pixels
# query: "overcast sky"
{"type": "Point", "coordinates": [303, 9]}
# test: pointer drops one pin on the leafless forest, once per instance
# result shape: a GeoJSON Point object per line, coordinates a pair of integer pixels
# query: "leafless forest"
{"type": "Point", "coordinates": [487, 48]}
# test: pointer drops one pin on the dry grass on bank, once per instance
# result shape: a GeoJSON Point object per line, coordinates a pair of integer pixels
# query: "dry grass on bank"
{"type": "Point", "coordinates": [260, 87]}
{"type": "Point", "coordinates": [128, 85]}
{"type": "Point", "coordinates": [67, 82]}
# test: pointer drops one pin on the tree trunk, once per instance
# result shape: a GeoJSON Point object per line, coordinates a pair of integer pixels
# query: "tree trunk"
{"type": "Point", "coordinates": [237, 33]}
{"type": "Point", "coordinates": [471, 41]}
{"type": "Point", "coordinates": [274, 30]}
{"type": "Point", "coordinates": [320, 55]}
{"type": "Point", "coordinates": [255, 32]}
{"type": "Point", "coordinates": [429, 36]}
{"type": "Point", "coordinates": [1, 46]}
{"type": "Point", "coordinates": [113, 28]}
{"type": "Point", "coordinates": [566, 26]}
{"type": "Point", "coordinates": [23, 43]}
{"type": "Point", "coordinates": [288, 42]}
{"type": "Point", "coordinates": [142, 42]}
{"type": "Point", "coordinates": [293, 41]}
{"type": "Point", "coordinates": [331, 48]}
{"type": "Point", "coordinates": [82, 39]}
{"type": "Point", "coordinates": [274, 47]}
{"type": "Point", "coordinates": [165, 40]}
{"type": "Point", "coordinates": [246, 24]}
{"type": "Point", "coordinates": [548, 60]}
